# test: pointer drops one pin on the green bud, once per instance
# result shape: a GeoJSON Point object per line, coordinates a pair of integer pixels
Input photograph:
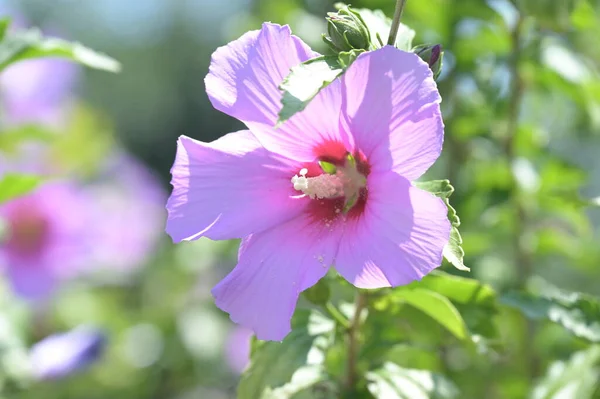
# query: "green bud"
{"type": "Point", "coordinates": [432, 55]}
{"type": "Point", "coordinates": [346, 31]}
{"type": "Point", "coordinates": [328, 167]}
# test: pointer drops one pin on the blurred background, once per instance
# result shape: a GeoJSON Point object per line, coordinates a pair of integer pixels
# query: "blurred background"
{"type": "Point", "coordinates": [521, 104]}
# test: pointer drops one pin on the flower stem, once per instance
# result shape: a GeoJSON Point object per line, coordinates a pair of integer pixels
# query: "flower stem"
{"type": "Point", "coordinates": [396, 21]}
{"type": "Point", "coordinates": [523, 258]}
{"type": "Point", "coordinates": [337, 315]}
{"type": "Point", "coordinates": [353, 344]}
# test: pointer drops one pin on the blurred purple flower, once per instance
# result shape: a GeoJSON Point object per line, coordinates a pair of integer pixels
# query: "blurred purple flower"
{"type": "Point", "coordinates": [61, 355]}
{"type": "Point", "coordinates": [36, 91]}
{"type": "Point", "coordinates": [129, 213]}
{"type": "Point", "coordinates": [237, 349]}
{"type": "Point", "coordinates": [329, 187]}
{"type": "Point", "coordinates": [46, 238]}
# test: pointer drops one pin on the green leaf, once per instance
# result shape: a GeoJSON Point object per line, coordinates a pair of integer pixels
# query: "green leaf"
{"type": "Point", "coordinates": [318, 293]}
{"type": "Point", "coordinates": [305, 81]}
{"type": "Point", "coordinates": [575, 378]}
{"type": "Point", "coordinates": [289, 366]}
{"type": "Point", "coordinates": [578, 313]}
{"type": "Point", "coordinates": [32, 44]}
{"type": "Point", "coordinates": [453, 251]}
{"type": "Point", "coordinates": [16, 185]}
{"type": "Point", "coordinates": [379, 29]}
{"type": "Point", "coordinates": [459, 289]}
{"type": "Point", "coordinates": [394, 382]}
{"type": "Point", "coordinates": [437, 306]}
{"type": "Point", "coordinates": [305, 382]}
{"type": "Point", "coordinates": [4, 24]}
{"type": "Point", "coordinates": [475, 301]}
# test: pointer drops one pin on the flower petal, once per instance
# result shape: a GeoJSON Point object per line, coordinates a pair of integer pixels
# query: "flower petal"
{"type": "Point", "coordinates": [244, 75]}
{"type": "Point", "coordinates": [399, 238]}
{"type": "Point", "coordinates": [243, 82]}
{"type": "Point", "coordinates": [274, 267]}
{"type": "Point", "coordinates": [391, 107]}
{"type": "Point", "coordinates": [35, 282]}
{"type": "Point", "coordinates": [229, 188]}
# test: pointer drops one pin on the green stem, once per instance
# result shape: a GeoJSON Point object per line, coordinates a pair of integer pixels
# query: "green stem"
{"type": "Point", "coordinates": [523, 258]}
{"type": "Point", "coordinates": [353, 338]}
{"type": "Point", "coordinates": [396, 21]}
{"type": "Point", "coordinates": [337, 315]}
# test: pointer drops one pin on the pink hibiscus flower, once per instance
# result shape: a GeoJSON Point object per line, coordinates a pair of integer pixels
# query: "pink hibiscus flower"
{"type": "Point", "coordinates": [380, 125]}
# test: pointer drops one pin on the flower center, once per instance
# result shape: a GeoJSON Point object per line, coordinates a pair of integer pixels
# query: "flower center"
{"type": "Point", "coordinates": [343, 181]}
{"type": "Point", "coordinates": [27, 233]}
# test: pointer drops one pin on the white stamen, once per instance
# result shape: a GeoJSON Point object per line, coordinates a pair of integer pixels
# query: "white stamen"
{"type": "Point", "coordinates": [322, 186]}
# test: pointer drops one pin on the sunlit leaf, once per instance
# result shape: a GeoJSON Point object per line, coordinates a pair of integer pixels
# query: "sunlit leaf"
{"type": "Point", "coordinates": [379, 25]}
{"type": "Point", "coordinates": [281, 369]}
{"type": "Point", "coordinates": [576, 312]}
{"type": "Point", "coordinates": [4, 24]}
{"type": "Point", "coordinates": [436, 306]}
{"type": "Point", "coordinates": [453, 251]}
{"type": "Point", "coordinates": [475, 301]}
{"type": "Point", "coordinates": [31, 43]}
{"type": "Point", "coordinates": [16, 185]}
{"type": "Point", "coordinates": [394, 382]}
{"type": "Point", "coordinates": [305, 81]}
{"type": "Point", "coordinates": [576, 378]}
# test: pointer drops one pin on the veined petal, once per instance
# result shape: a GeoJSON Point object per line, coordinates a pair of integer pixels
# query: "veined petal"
{"type": "Point", "coordinates": [244, 75]}
{"type": "Point", "coordinates": [243, 81]}
{"type": "Point", "coordinates": [399, 238]}
{"type": "Point", "coordinates": [229, 188]}
{"type": "Point", "coordinates": [391, 107]}
{"type": "Point", "coordinates": [274, 267]}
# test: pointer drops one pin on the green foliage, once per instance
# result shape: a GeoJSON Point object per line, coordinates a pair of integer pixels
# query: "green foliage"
{"type": "Point", "coordinates": [393, 382]}
{"type": "Point", "coordinates": [476, 302]}
{"type": "Point", "coordinates": [366, 29]}
{"type": "Point", "coordinates": [453, 251]}
{"type": "Point", "coordinates": [319, 293]}
{"type": "Point", "coordinates": [14, 185]}
{"type": "Point", "coordinates": [283, 369]}
{"type": "Point", "coordinates": [436, 306]}
{"type": "Point", "coordinates": [576, 312]}
{"type": "Point", "coordinates": [4, 24]}
{"type": "Point", "coordinates": [379, 25]}
{"type": "Point", "coordinates": [346, 31]}
{"type": "Point", "coordinates": [29, 44]}
{"type": "Point", "coordinates": [575, 378]}
{"type": "Point", "coordinates": [305, 81]}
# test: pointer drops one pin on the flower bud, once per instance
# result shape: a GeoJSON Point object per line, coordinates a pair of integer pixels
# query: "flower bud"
{"type": "Point", "coordinates": [432, 55]}
{"type": "Point", "coordinates": [346, 31]}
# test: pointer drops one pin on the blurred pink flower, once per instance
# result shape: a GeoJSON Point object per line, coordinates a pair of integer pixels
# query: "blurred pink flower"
{"type": "Point", "coordinates": [129, 213]}
{"type": "Point", "coordinates": [47, 238]}
{"type": "Point", "coordinates": [237, 349]}
{"type": "Point", "coordinates": [67, 229]}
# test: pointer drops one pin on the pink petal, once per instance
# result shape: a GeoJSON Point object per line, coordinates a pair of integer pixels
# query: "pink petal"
{"type": "Point", "coordinates": [244, 75]}
{"type": "Point", "coordinates": [229, 188]}
{"type": "Point", "coordinates": [399, 238]}
{"type": "Point", "coordinates": [274, 267]}
{"type": "Point", "coordinates": [243, 82]}
{"type": "Point", "coordinates": [391, 107]}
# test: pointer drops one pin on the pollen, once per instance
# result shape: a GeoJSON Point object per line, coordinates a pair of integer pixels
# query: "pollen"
{"type": "Point", "coordinates": [318, 187]}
